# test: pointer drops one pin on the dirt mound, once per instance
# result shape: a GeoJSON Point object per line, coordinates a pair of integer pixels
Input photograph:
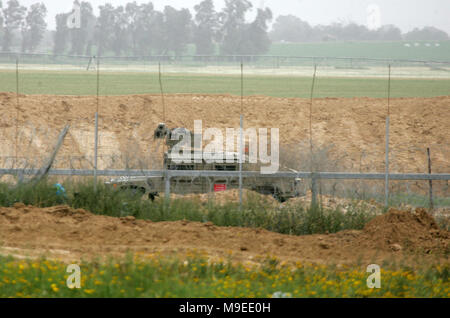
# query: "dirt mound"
{"type": "Point", "coordinates": [355, 126]}
{"type": "Point", "coordinates": [69, 234]}
{"type": "Point", "coordinates": [412, 231]}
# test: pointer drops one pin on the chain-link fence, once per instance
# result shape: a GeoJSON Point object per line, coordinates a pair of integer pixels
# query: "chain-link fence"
{"type": "Point", "coordinates": [343, 116]}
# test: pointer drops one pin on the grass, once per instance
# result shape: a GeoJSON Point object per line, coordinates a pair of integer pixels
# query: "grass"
{"type": "Point", "coordinates": [295, 220]}
{"type": "Point", "coordinates": [84, 83]}
{"type": "Point", "coordinates": [418, 200]}
{"type": "Point", "coordinates": [381, 50]}
{"type": "Point", "coordinates": [257, 212]}
{"type": "Point", "coordinates": [155, 276]}
{"type": "Point", "coordinates": [365, 49]}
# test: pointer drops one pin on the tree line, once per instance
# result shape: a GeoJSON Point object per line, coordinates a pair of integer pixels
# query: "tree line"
{"type": "Point", "coordinates": [29, 23]}
{"type": "Point", "coordinates": [289, 28]}
{"type": "Point", "coordinates": [140, 29]}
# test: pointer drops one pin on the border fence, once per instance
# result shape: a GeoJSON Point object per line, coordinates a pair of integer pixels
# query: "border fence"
{"type": "Point", "coordinates": [238, 68]}
{"type": "Point", "coordinates": [255, 64]}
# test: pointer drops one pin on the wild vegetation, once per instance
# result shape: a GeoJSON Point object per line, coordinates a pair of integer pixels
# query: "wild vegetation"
{"type": "Point", "coordinates": [156, 276]}
{"type": "Point", "coordinates": [106, 200]}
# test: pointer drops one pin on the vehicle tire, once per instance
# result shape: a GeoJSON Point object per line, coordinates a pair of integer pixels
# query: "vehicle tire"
{"type": "Point", "coordinates": [135, 190]}
{"type": "Point", "coordinates": [152, 196]}
{"type": "Point", "coordinates": [278, 195]}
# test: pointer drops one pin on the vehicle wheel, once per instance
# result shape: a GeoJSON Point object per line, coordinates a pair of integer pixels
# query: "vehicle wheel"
{"type": "Point", "coordinates": [134, 190]}
{"type": "Point", "coordinates": [278, 195]}
{"type": "Point", "coordinates": [152, 196]}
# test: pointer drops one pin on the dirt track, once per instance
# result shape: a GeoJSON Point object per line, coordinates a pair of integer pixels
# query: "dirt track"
{"type": "Point", "coordinates": [356, 126]}
{"type": "Point", "coordinates": [67, 234]}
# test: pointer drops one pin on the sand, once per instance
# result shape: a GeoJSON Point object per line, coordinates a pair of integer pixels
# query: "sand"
{"type": "Point", "coordinates": [64, 233]}
{"type": "Point", "coordinates": [354, 128]}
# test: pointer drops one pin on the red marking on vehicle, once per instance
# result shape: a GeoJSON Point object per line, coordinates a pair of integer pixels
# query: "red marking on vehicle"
{"type": "Point", "coordinates": [220, 187]}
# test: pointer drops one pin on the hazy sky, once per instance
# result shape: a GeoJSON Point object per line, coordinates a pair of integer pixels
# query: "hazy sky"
{"type": "Point", "coordinates": [406, 14]}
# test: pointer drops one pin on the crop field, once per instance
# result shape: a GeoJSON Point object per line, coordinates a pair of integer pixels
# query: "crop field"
{"type": "Point", "coordinates": [406, 50]}
{"type": "Point", "coordinates": [78, 83]}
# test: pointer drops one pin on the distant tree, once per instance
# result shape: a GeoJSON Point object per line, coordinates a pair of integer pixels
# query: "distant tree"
{"type": "Point", "coordinates": [1, 21]}
{"type": "Point", "coordinates": [120, 27]}
{"type": "Point", "coordinates": [104, 28]}
{"type": "Point", "coordinates": [345, 32]}
{"type": "Point", "coordinates": [354, 32]}
{"type": "Point", "coordinates": [176, 30]}
{"type": "Point", "coordinates": [81, 37]}
{"type": "Point", "coordinates": [257, 39]}
{"type": "Point", "coordinates": [232, 20]}
{"type": "Point", "coordinates": [144, 28]}
{"type": "Point", "coordinates": [388, 33]}
{"type": "Point", "coordinates": [34, 28]}
{"type": "Point", "coordinates": [154, 35]}
{"type": "Point", "coordinates": [205, 27]}
{"type": "Point", "coordinates": [152, 28]}
{"type": "Point", "coordinates": [426, 34]}
{"type": "Point", "coordinates": [290, 28]}
{"type": "Point", "coordinates": [88, 22]}
{"type": "Point", "coordinates": [136, 28]}
{"type": "Point", "coordinates": [13, 17]}
{"type": "Point", "coordinates": [132, 16]}
{"type": "Point", "coordinates": [60, 38]}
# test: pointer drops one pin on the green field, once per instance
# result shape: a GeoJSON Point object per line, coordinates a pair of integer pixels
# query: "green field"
{"type": "Point", "coordinates": [370, 49]}
{"type": "Point", "coordinates": [380, 50]}
{"type": "Point", "coordinates": [79, 83]}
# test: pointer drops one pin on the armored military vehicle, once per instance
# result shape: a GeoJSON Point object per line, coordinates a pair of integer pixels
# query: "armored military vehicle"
{"type": "Point", "coordinates": [280, 188]}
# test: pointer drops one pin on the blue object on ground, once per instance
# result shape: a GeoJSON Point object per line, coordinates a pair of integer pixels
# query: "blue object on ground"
{"type": "Point", "coordinates": [60, 191]}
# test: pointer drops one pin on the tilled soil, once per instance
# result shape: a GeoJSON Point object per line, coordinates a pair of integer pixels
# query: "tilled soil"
{"type": "Point", "coordinates": [354, 126]}
{"type": "Point", "coordinates": [64, 233]}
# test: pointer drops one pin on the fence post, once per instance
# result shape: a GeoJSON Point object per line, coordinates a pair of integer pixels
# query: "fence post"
{"type": "Point", "coordinates": [89, 63]}
{"type": "Point", "coordinates": [16, 151]}
{"type": "Point", "coordinates": [313, 190]}
{"type": "Point", "coordinates": [313, 166]}
{"type": "Point", "coordinates": [167, 187]}
{"type": "Point", "coordinates": [241, 146]}
{"type": "Point", "coordinates": [241, 136]}
{"type": "Point", "coordinates": [95, 151]}
{"type": "Point", "coordinates": [96, 125]}
{"type": "Point", "coordinates": [161, 91]}
{"type": "Point", "coordinates": [430, 181]}
{"type": "Point", "coordinates": [386, 179]}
